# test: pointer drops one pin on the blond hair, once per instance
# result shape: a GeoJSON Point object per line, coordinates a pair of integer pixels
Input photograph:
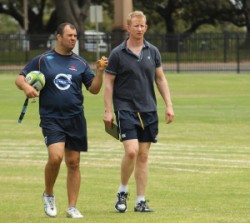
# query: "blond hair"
{"type": "Point", "coordinates": [133, 14]}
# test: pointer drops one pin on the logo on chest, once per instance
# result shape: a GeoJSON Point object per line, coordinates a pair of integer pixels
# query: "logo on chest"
{"type": "Point", "coordinates": [63, 81]}
{"type": "Point", "coordinates": [73, 68]}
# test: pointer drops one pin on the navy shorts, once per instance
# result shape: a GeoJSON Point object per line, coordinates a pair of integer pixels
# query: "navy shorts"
{"type": "Point", "coordinates": [137, 125]}
{"type": "Point", "coordinates": [72, 131]}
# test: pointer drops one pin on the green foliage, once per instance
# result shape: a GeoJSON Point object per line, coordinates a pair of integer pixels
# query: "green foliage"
{"type": "Point", "coordinates": [163, 16]}
{"type": "Point", "coordinates": [191, 15]}
{"type": "Point", "coordinates": [220, 27]}
{"type": "Point", "coordinates": [7, 24]}
{"type": "Point", "coordinates": [199, 169]}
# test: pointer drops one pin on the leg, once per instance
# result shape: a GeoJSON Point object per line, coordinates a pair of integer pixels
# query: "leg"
{"type": "Point", "coordinates": [128, 160]}
{"type": "Point", "coordinates": [141, 177]}
{"type": "Point", "coordinates": [127, 168]}
{"type": "Point", "coordinates": [141, 168]}
{"type": "Point", "coordinates": [72, 160]}
{"type": "Point", "coordinates": [55, 156]}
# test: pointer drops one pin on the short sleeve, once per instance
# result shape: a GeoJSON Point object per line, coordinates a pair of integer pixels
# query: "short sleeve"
{"type": "Point", "coordinates": [113, 64]}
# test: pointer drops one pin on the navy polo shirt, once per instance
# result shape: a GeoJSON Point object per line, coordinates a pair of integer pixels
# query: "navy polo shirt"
{"type": "Point", "coordinates": [135, 77]}
{"type": "Point", "coordinates": [64, 75]}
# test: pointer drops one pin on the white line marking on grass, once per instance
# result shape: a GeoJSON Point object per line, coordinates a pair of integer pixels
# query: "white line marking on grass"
{"type": "Point", "coordinates": [162, 156]}
{"type": "Point", "coordinates": [189, 146]}
{"type": "Point", "coordinates": [189, 170]}
{"type": "Point", "coordinates": [200, 158]}
{"type": "Point", "coordinates": [200, 165]}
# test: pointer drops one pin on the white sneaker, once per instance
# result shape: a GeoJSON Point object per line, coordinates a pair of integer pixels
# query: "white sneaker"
{"type": "Point", "coordinates": [72, 212]}
{"type": "Point", "coordinates": [50, 205]}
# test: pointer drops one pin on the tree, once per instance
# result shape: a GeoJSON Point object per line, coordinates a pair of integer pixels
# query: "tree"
{"type": "Point", "coordinates": [188, 14]}
{"type": "Point", "coordinates": [193, 14]}
{"type": "Point", "coordinates": [74, 11]}
{"type": "Point", "coordinates": [236, 12]}
{"type": "Point", "coordinates": [246, 12]}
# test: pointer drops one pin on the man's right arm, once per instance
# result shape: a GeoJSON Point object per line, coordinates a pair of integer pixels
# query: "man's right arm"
{"type": "Point", "coordinates": [28, 90]}
{"type": "Point", "coordinates": [108, 99]}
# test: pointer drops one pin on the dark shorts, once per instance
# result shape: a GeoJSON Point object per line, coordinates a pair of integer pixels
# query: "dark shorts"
{"type": "Point", "coordinates": [72, 131]}
{"type": "Point", "coordinates": [135, 125]}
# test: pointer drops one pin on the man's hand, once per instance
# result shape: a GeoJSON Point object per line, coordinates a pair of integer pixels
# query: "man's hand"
{"type": "Point", "coordinates": [169, 114]}
{"type": "Point", "coordinates": [102, 63]}
{"type": "Point", "coordinates": [108, 118]}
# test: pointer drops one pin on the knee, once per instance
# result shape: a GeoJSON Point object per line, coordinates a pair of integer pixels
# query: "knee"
{"type": "Point", "coordinates": [142, 158]}
{"type": "Point", "coordinates": [73, 163]}
{"type": "Point", "coordinates": [131, 154]}
{"type": "Point", "coordinates": [55, 161]}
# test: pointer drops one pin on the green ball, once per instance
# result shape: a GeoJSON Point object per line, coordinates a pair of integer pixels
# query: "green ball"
{"type": "Point", "coordinates": [36, 79]}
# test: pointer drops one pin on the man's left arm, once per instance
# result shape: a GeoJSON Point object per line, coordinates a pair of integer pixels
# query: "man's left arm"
{"type": "Point", "coordinates": [162, 85]}
{"type": "Point", "coordinates": [96, 84]}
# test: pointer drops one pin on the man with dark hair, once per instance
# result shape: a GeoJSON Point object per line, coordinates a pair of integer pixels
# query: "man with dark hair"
{"type": "Point", "coordinates": [61, 111]}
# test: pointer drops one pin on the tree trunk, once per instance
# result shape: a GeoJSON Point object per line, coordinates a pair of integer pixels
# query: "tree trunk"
{"type": "Point", "coordinates": [73, 11]}
{"type": "Point", "coordinates": [246, 44]}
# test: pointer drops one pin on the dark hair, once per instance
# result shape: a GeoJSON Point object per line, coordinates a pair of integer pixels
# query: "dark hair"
{"type": "Point", "coordinates": [60, 28]}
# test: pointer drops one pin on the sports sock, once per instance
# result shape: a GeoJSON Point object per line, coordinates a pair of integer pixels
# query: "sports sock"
{"type": "Point", "coordinates": [70, 207]}
{"type": "Point", "coordinates": [140, 198]}
{"type": "Point", "coordinates": [123, 188]}
{"type": "Point", "coordinates": [48, 195]}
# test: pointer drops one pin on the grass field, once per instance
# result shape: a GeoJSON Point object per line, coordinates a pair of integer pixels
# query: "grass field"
{"type": "Point", "coordinates": [199, 169]}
